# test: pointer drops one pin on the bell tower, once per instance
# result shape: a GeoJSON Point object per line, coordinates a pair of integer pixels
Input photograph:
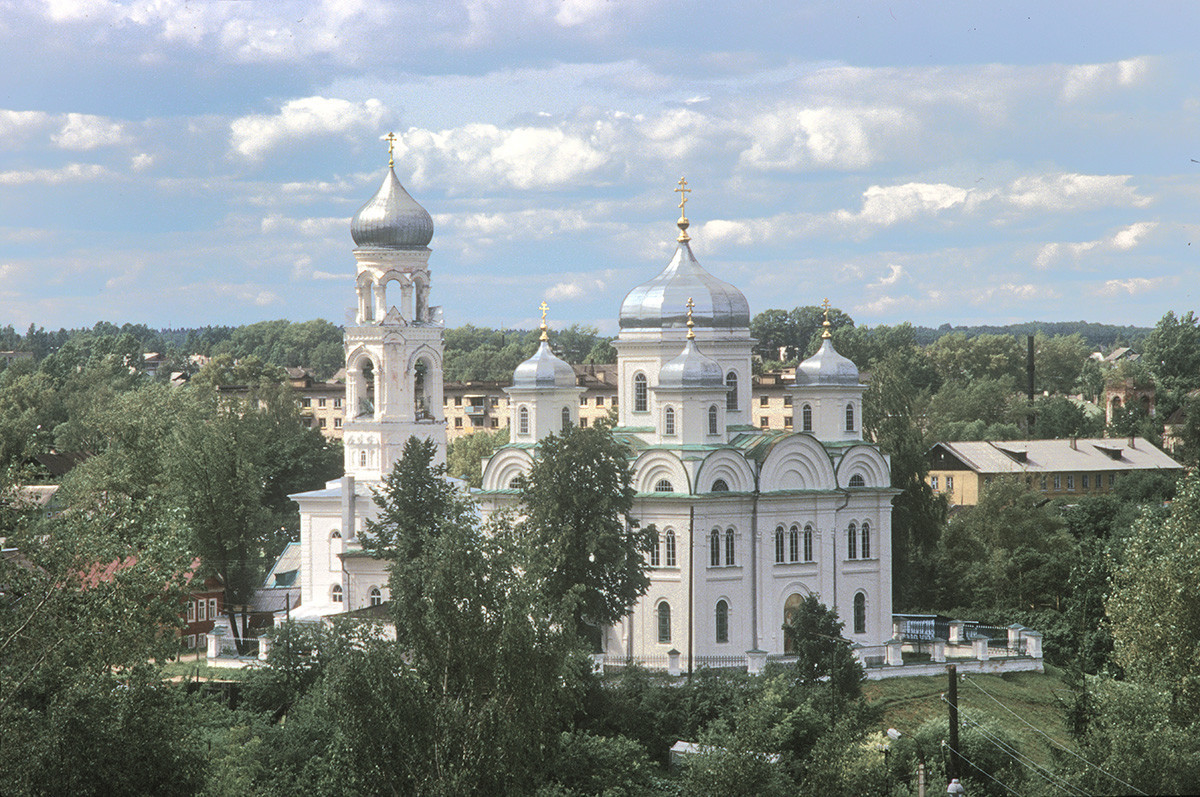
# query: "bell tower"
{"type": "Point", "coordinates": [394, 349]}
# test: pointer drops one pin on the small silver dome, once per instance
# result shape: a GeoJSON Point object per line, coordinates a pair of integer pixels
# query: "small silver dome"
{"type": "Point", "coordinates": [543, 370]}
{"type": "Point", "coordinates": [392, 219]}
{"type": "Point", "coordinates": [662, 302]}
{"type": "Point", "coordinates": [692, 370]}
{"type": "Point", "coordinates": [826, 367]}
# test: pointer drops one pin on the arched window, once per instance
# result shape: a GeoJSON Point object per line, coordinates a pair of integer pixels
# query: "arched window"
{"type": "Point", "coordinates": [722, 621]}
{"type": "Point", "coordinates": [860, 613]}
{"type": "Point", "coordinates": [639, 392]}
{"type": "Point", "coordinates": [852, 542]}
{"type": "Point", "coordinates": [857, 480]}
{"type": "Point", "coordinates": [714, 548]}
{"type": "Point", "coordinates": [376, 597]}
{"type": "Point", "coordinates": [712, 419]}
{"type": "Point", "coordinates": [523, 420]}
{"type": "Point", "coordinates": [671, 561]}
{"type": "Point", "coordinates": [794, 545]}
{"type": "Point", "coordinates": [731, 400]}
{"type": "Point", "coordinates": [664, 623]}
{"type": "Point", "coordinates": [849, 417]}
{"type": "Point", "coordinates": [720, 486]}
{"type": "Point", "coordinates": [806, 418]}
{"type": "Point", "coordinates": [865, 548]}
{"type": "Point", "coordinates": [664, 486]}
{"type": "Point", "coordinates": [729, 548]}
{"type": "Point", "coordinates": [566, 418]}
{"type": "Point", "coordinates": [778, 544]}
{"type": "Point", "coordinates": [790, 607]}
{"type": "Point", "coordinates": [335, 593]}
{"type": "Point", "coordinates": [669, 421]}
{"type": "Point", "coordinates": [362, 459]}
{"type": "Point", "coordinates": [654, 554]}
{"type": "Point", "coordinates": [808, 542]}
{"type": "Point", "coordinates": [335, 535]}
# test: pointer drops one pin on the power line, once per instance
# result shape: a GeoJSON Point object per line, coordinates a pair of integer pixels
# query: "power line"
{"type": "Point", "coordinates": [1003, 785]}
{"type": "Point", "coordinates": [1026, 761]}
{"type": "Point", "coordinates": [1052, 740]}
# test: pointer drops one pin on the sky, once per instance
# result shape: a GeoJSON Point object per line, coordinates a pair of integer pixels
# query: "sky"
{"type": "Point", "coordinates": [180, 163]}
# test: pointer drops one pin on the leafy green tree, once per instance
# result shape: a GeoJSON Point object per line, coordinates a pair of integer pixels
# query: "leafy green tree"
{"type": "Point", "coordinates": [586, 555]}
{"type": "Point", "coordinates": [465, 454]}
{"type": "Point", "coordinates": [1172, 352]}
{"type": "Point", "coordinates": [822, 653]}
{"type": "Point", "coordinates": [958, 357]}
{"type": "Point", "coordinates": [1058, 417]}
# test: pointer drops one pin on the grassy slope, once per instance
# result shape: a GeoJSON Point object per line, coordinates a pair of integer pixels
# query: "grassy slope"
{"type": "Point", "coordinates": [1035, 697]}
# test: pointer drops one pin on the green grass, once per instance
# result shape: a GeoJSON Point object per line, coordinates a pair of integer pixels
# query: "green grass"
{"type": "Point", "coordinates": [199, 670]}
{"type": "Point", "coordinates": [1036, 698]}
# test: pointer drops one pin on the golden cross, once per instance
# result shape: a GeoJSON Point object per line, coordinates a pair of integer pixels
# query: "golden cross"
{"type": "Point", "coordinates": [391, 140]}
{"type": "Point", "coordinates": [683, 191]}
{"type": "Point", "coordinates": [691, 333]}
{"type": "Point", "coordinates": [825, 333]}
{"type": "Point", "coordinates": [544, 307]}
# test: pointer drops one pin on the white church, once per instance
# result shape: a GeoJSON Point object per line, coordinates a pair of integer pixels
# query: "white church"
{"type": "Point", "coordinates": [750, 521]}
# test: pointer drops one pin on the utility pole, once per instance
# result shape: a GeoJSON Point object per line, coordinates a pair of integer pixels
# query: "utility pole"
{"type": "Point", "coordinates": [952, 764]}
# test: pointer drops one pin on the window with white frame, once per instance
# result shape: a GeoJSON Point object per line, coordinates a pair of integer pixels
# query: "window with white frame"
{"type": "Point", "coordinates": [523, 420]}
{"type": "Point", "coordinates": [722, 622]}
{"type": "Point", "coordinates": [335, 593]}
{"type": "Point", "coordinates": [865, 548]}
{"type": "Point", "coordinates": [639, 393]}
{"type": "Point", "coordinates": [779, 545]}
{"type": "Point", "coordinates": [714, 548]}
{"type": "Point", "coordinates": [376, 596]}
{"type": "Point", "coordinates": [671, 560]}
{"type": "Point", "coordinates": [664, 623]}
{"type": "Point", "coordinates": [730, 547]}
{"type": "Point", "coordinates": [852, 541]}
{"type": "Point", "coordinates": [808, 542]}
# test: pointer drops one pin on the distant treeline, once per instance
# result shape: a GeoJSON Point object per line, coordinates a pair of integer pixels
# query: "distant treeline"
{"type": "Point", "coordinates": [1098, 336]}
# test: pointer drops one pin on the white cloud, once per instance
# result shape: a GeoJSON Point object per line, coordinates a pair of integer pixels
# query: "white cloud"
{"type": "Point", "coordinates": [888, 205]}
{"type": "Point", "coordinates": [481, 155]}
{"type": "Point", "coordinates": [802, 139]}
{"type": "Point", "coordinates": [1063, 192]}
{"type": "Point", "coordinates": [84, 131]}
{"type": "Point", "coordinates": [1086, 79]}
{"type": "Point", "coordinates": [141, 161]}
{"type": "Point", "coordinates": [574, 289]}
{"type": "Point", "coordinates": [72, 172]}
{"type": "Point", "coordinates": [19, 124]}
{"type": "Point", "coordinates": [895, 272]}
{"type": "Point", "coordinates": [1132, 286]}
{"type": "Point", "coordinates": [1122, 240]}
{"type": "Point", "coordinates": [316, 227]}
{"type": "Point", "coordinates": [256, 135]}
{"type": "Point", "coordinates": [1132, 235]}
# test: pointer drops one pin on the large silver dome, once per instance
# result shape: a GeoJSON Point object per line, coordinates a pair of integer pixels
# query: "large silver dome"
{"type": "Point", "coordinates": [392, 219]}
{"type": "Point", "coordinates": [692, 370]}
{"type": "Point", "coordinates": [826, 367]}
{"type": "Point", "coordinates": [543, 370]}
{"type": "Point", "coordinates": [662, 302]}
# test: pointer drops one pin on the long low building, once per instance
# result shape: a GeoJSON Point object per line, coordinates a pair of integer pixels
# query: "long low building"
{"type": "Point", "coordinates": [1059, 468]}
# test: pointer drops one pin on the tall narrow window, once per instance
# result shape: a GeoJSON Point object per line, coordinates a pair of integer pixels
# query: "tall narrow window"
{"type": "Point", "coordinates": [566, 418]}
{"type": "Point", "coordinates": [852, 542]}
{"type": "Point", "coordinates": [778, 544]}
{"type": "Point", "coordinates": [654, 555]}
{"type": "Point", "coordinates": [860, 613]}
{"type": "Point", "coordinates": [865, 548]}
{"type": "Point", "coordinates": [664, 623]}
{"type": "Point", "coordinates": [671, 560]}
{"type": "Point", "coordinates": [794, 545]}
{"type": "Point", "coordinates": [729, 548]}
{"type": "Point", "coordinates": [790, 607]}
{"type": "Point", "coordinates": [639, 392]}
{"type": "Point", "coordinates": [731, 384]}
{"type": "Point", "coordinates": [712, 419]}
{"type": "Point", "coordinates": [722, 621]}
{"type": "Point", "coordinates": [376, 596]}
{"type": "Point", "coordinates": [849, 417]}
{"type": "Point", "coordinates": [806, 418]}
{"type": "Point", "coordinates": [808, 542]}
{"type": "Point", "coordinates": [669, 421]}
{"type": "Point", "coordinates": [523, 420]}
{"type": "Point", "coordinates": [362, 459]}
{"type": "Point", "coordinates": [714, 548]}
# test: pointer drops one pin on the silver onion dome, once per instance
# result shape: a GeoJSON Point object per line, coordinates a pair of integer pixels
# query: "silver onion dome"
{"type": "Point", "coordinates": [542, 371]}
{"type": "Point", "coordinates": [826, 367]}
{"type": "Point", "coordinates": [662, 302]}
{"type": "Point", "coordinates": [692, 370]}
{"type": "Point", "coordinates": [392, 219]}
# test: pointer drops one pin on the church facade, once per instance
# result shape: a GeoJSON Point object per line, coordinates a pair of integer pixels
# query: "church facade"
{"type": "Point", "coordinates": [750, 521]}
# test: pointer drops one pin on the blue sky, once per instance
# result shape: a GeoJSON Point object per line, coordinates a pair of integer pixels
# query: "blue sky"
{"type": "Point", "coordinates": [187, 163]}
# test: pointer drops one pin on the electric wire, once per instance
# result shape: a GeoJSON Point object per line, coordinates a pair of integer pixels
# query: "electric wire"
{"type": "Point", "coordinates": [1026, 761]}
{"type": "Point", "coordinates": [1003, 785]}
{"type": "Point", "coordinates": [1052, 740]}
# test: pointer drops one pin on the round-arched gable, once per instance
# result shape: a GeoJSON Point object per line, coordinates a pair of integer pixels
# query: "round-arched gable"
{"type": "Point", "coordinates": [797, 462]}
{"type": "Point", "coordinates": [504, 466]}
{"type": "Point", "coordinates": [865, 461]}
{"type": "Point", "coordinates": [728, 465]}
{"type": "Point", "coordinates": [653, 466]}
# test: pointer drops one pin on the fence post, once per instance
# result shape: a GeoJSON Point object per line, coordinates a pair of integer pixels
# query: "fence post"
{"type": "Point", "coordinates": [979, 648]}
{"type": "Point", "coordinates": [1014, 637]}
{"type": "Point", "coordinates": [756, 660]}
{"type": "Point", "coordinates": [598, 663]}
{"type": "Point", "coordinates": [956, 630]}
{"type": "Point", "coordinates": [1033, 644]}
{"type": "Point", "coordinates": [938, 653]}
{"type": "Point", "coordinates": [894, 654]}
{"type": "Point", "coordinates": [214, 640]}
{"type": "Point", "coordinates": [673, 668]}
{"type": "Point", "coordinates": [264, 647]}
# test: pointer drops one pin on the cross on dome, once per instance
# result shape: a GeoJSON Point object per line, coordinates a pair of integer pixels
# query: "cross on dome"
{"type": "Point", "coordinates": [683, 191]}
{"type": "Point", "coordinates": [691, 335]}
{"type": "Point", "coordinates": [825, 333]}
{"type": "Point", "coordinates": [544, 307]}
{"type": "Point", "coordinates": [391, 140]}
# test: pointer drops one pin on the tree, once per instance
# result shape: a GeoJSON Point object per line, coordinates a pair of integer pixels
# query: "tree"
{"type": "Point", "coordinates": [1058, 417]}
{"type": "Point", "coordinates": [586, 555]}
{"type": "Point", "coordinates": [822, 653]}
{"type": "Point", "coordinates": [465, 454]}
{"type": "Point", "coordinates": [1172, 352]}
